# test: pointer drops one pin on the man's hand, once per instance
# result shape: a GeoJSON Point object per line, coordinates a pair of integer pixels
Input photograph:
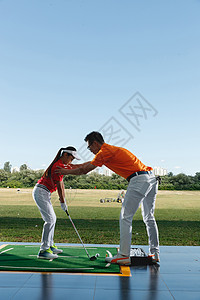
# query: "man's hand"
{"type": "Point", "coordinates": [82, 169]}
{"type": "Point", "coordinates": [62, 171]}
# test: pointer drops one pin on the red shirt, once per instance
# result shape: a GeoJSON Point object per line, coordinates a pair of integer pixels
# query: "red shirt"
{"type": "Point", "coordinates": [119, 160]}
{"type": "Point", "coordinates": [50, 182]}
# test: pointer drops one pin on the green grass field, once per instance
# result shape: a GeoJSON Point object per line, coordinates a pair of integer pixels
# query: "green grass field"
{"type": "Point", "coordinates": [177, 214]}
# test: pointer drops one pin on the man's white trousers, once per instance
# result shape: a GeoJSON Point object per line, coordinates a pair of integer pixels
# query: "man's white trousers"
{"type": "Point", "coordinates": [142, 189]}
{"type": "Point", "coordinates": [43, 201]}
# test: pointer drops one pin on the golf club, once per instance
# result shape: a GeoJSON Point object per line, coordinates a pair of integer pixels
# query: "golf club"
{"type": "Point", "coordinates": [90, 257]}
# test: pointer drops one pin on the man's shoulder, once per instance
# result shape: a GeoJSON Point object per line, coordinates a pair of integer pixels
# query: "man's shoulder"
{"type": "Point", "coordinates": [106, 146]}
{"type": "Point", "coordinates": [107, 150]}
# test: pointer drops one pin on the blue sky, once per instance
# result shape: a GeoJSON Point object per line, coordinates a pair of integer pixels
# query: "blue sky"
{"type": "Point", "coordinates": [67, 67]}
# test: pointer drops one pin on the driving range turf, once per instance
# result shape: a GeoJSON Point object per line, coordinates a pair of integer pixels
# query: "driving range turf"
{"type": "Point", "coordinates": [73, 259]}
{"type": "Point", "coordinates": [177, 214]}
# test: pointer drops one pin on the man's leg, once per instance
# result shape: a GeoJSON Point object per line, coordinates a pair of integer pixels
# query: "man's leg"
{"type": "Point", "coordinates": [148, 207]}
{"type": "Point", "coordinates": [129, 207]}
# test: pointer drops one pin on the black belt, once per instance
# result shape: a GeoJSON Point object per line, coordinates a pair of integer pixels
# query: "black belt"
{"type": "Point", "coordinates": [42, 187]}
{"type": "Point", "coordinates": [137, 173]}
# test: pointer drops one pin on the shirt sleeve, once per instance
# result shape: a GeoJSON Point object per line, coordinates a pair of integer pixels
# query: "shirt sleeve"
{"type": "Point", "coordinates": [101, 157]}
{"type": "Point", "coordinates": [58, 177]}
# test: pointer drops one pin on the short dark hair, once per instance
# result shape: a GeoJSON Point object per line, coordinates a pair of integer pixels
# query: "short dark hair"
{"type": "Point", "coordinates": [94, 136]}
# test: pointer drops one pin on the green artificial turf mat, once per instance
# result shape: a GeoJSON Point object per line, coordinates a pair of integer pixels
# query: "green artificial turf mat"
{"type": "Point", "coordinates": [73, 259]}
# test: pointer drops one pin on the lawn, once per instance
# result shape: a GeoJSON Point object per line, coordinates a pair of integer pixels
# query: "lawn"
{"type": "Point", "coordinates": [177, 214]}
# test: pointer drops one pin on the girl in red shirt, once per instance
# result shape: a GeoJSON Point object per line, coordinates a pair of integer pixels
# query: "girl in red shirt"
{"type": "Point", "coordinates": [49, 183]}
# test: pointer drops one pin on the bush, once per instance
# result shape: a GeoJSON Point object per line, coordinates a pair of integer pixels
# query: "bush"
{"type": "Point", "coordinates": [13, 184]}
{"type": "Point", "coordinates": [28, 178]}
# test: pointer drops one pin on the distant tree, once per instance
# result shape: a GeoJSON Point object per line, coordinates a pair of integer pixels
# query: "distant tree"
{"type": "Point", "coordinates": [7, 167]}
{"type": "Point", "coordinates": [197, 177]}
{"type": "Point", "coordinates": [166, 183]}
{"type": "Point", "coordinates": [182, 182]}
{"type": "Point", "coordinates": [26, 177]}
{"type": "Point", "coordinates": [3, 177]}
{"type": "Point", "coordinates": [23, 167]}
{"type": "Point", "coordinates": [170, 174]}
{"type": "Point", "coordinates": [13, 184]}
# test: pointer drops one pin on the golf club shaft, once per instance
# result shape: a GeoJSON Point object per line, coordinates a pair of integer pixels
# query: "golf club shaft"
{"type": "Point", "coordinates": [77, 234]}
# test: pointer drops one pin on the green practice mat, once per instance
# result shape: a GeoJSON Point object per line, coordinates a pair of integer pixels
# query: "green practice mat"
{"type": "Point", "coordinates": [73, 259]}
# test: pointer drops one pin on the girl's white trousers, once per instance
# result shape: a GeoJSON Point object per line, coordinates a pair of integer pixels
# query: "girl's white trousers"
{"type": "Point", "coordinates": [43, 201]}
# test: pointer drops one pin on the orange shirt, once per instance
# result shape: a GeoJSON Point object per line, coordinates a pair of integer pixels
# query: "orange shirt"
{"type": "Point", "coordinates": [119, 160]}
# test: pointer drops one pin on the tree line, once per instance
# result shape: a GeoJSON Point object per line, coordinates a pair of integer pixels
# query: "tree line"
{"type": "Point", "coordinates": [27, 178]}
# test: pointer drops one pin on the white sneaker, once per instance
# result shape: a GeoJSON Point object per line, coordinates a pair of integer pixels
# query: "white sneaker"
{"type": "Point", "coordinates": [47, 254]}
{"type": "Point", "coordinates": [119, 259]}
{"type": "Point", "coordinates": [155, 257]}
{"type": "Point", "coordinates": [55, 249]}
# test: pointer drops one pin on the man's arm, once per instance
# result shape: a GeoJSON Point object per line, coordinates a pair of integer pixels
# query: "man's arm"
{"type": "Point", "coordinates": [75, 166]}
{"type": "Point", "coordinates": [82, 169]}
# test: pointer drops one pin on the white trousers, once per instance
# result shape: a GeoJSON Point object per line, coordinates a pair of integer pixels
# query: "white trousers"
{"type": "Point", "coordinates": [142, 189]}
{"type": "Point", "coordinates": [43, 201]}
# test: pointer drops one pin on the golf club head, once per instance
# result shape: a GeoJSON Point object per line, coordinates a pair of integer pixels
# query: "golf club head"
{"type": "Point", "coordinates": [93, 257]}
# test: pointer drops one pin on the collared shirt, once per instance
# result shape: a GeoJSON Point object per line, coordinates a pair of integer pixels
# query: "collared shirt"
{"type": "Point", "coordinates": [119, 160]}
{"type": "Point", "coordinates": [50, 182]}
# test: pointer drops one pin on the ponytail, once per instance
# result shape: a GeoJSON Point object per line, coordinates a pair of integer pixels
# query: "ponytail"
{"type": "Point", "coordinates": [47, 172]}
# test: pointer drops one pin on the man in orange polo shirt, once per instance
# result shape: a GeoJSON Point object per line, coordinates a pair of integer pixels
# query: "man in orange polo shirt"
{"type": "Point", "coordinates": [142, 189]}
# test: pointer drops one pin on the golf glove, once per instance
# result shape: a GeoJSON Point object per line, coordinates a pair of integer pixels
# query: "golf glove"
{"type": "Point", "coordinates": [63, 205]}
